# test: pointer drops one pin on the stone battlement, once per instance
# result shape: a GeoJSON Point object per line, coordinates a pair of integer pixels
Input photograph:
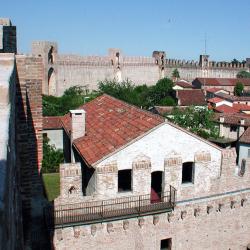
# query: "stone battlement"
{"type": "Point", "coordinates": [211, 64]}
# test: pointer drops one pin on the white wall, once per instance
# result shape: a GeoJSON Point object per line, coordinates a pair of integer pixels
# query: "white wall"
{"type": "Point", "coordinates": [243, 152]}
{"type": "Point", "coordinates": [160, 143]}
{"type": "Point", "coordinates": [55, 137]}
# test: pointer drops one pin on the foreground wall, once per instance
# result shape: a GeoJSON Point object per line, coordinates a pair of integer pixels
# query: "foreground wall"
{"type": "Point", "coordinates": [10, 201]}
{"type": "Point", "coordinates": [212, 217]}
{"type": "Point", "coordinates": [214, 224]}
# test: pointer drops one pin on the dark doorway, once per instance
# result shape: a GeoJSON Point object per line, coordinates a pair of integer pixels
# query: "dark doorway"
{"type": "Point", "coordinates": [124, 180]}
{"type": "Point", "coordinates": [156, 186]}
{"type": "Point", "coordinates": [166, 244]}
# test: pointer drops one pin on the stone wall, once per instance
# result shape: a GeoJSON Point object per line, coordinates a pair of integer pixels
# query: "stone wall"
{"type": "Point", "coordinates": [216, 219]}
{"type": "Point", "coordinates": [64, 71]}
{"type": "Point", "coordinates": [10, 201]}
{"type": "Point", "coordinates": [218, 223]}
{"type": "Point", "coordinates": [7, 36]}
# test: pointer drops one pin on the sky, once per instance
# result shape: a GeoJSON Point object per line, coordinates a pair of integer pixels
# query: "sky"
{"type": "Point", "coordinates": [137, 27]}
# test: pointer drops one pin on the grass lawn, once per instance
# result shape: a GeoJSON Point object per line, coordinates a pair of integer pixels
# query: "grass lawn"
{"type": "Point", "coordinates": [52, 185]}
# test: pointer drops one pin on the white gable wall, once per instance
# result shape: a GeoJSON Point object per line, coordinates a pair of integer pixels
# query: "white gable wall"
{"type": "Point", "coordinates": [160, 143]}
{"type": "Point", "coordinates": [163, 142]}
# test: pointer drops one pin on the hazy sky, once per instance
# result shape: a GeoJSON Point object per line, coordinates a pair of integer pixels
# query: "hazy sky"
{"type": "Point", "coordinates": [136, 26]}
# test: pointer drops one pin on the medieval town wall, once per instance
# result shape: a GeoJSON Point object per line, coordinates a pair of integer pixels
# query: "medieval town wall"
{"type": "Point", "coordinates": [213, 223]}
{"type": "Point", "coordinates": [216, 220]}
{"type": "Point", "coordinates": [64, 71]}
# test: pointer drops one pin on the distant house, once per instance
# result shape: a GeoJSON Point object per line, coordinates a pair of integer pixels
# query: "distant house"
{"type": "Point", "coordinates": [232, 126]}
{"type": "Point", "coordinates": [217, 101]}
{"type": "Point", "coordinates": [52, 129]}
{"type": "Point", "coordinates": [234, 99]}
{"type": "Point", "coordinates": [211, 93]}
{"type": "Point", "coordinates": [244, 147]}
{"type": "Point", "coordinates": [182, 84]}
{"type": "Point", "coordinates": [227, 84]}
{"type": "Point", "coordinates": [193, 97]}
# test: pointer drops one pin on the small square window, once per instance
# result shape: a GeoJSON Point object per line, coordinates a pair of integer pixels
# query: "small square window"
{"type": "Point", "coordinates": [233, 128]}
{"type": "Point", "coordinates": [166, 244]}
{"type": "Point", "coordinates": [124, 180]}
{"type": "Point", "coordinates": [188, 172]}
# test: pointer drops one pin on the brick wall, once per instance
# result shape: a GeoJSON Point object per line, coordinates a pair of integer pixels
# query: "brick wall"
{"type": "Point", "coordinates": [29, 135]}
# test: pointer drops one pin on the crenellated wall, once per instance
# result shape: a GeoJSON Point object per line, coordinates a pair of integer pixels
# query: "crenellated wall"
{"type": "Point", "coordinates": [87, 71]}
{"type": "Point", "coordinates": [217, 219]}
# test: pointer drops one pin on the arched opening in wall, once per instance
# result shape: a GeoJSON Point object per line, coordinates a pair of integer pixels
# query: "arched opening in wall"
{"type": "Point", "coordinates": [51, 82]}
{"type": "Point", "coordinates": [51, 55]}
{"type": "Point", "coordinates": [156, 186]}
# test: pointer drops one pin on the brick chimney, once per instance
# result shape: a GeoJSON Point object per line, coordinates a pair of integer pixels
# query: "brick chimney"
{"type": "Point", "coordinates": [78, 127]}
{"type": "Point", "coordinates": [77, 123]}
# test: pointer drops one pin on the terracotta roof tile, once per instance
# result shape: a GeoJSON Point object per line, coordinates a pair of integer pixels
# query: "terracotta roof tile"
{"type": "Point", "coordinates": [215, 100]}
{"type": "Point", "coordinates": [241, 107]}
{"type": "Point", "coordinates": [191, 97]}
{"type": "Point", "coordinates": [234, 119]}
{"type": "Point", "coordinates": [222, 81]}
{"type": "Point", "coordinates": [52, 122]}
{"type": "Point", "coordinates": [110, 124]}
{"type": "Point", "coordinates": [233, 98]}
{"type": "Point", "coordinates": [184, 84]}
{"type": "Point", "coordinates": [214, 90]}
{"type": "Point", "coordinates": [245, 138]}
{"type": "Point", "coordinates": [226, 109]}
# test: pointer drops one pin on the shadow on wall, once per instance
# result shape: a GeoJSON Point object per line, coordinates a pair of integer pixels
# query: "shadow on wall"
{"type": "Point", "coordinates": [29, 148]}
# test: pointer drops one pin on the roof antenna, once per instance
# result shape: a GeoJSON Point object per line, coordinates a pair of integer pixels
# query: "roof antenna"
{"type": "Point", "coordinates": [205, 43]}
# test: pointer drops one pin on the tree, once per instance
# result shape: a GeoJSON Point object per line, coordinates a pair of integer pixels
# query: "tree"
{"type": "Point", "coordinates": [197, 120]}
{"type": "Point", "coordinates": [162, 89]}
{"type": "Point", "coordinates": [142, 95]}
{"type": "Point", "coordinates": [52, 157]}
{"type": "Point", "coordinates": [239, 89]}
{"type": "Point", "coordinates": [243, 74]}
{"type": "Point", "coordinates": [71, 99]}
{"type": "Point", "coordinates": [175, 74]}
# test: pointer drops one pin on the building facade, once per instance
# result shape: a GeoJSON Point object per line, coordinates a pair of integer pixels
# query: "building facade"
{"type": "Point", "coordinates": [188, 193]}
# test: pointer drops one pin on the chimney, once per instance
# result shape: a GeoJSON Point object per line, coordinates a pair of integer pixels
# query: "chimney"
{"type": "Point", "coordinates": [222, 119]}
{"type": "Point", "coordinates": [78, 126]}
{"type": "Point", "coordinates": [242, 121]}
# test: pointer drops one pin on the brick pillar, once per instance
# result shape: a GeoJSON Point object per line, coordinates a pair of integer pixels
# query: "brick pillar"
{"type": "Point", "coordinates": [107, 180]}
{"type": "Point", "coordinates": [71, 182]}
{"type": "Point", "coordinates": [141, 175]}
{"type": "Point", "coordinates": [172, 171]}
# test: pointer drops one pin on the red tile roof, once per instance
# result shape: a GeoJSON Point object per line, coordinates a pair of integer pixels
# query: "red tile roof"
{"type": "Point", "coordinates": [214, 90]}
{"type": "Point", "coordinates": [52, 122]}
{"type": "Point", "coordinates": [233, 98]}
{"type": "Point", "coordinates": [110, 124]}
{"type": "Point", "coordinates": [241, 107]}
{"type": "Point", "coordinates": [222, 81]}
{"type": "Point", "coordinates": [215, 100]}
{"type": "Point", "coordinates": [190, 97]}
{"type": "Point", "coordinates": [184, 84]}
{"type": "Point", "coordinates": [233, 119]}
{"type": "Point", "coordinates": [226, 109]}
{"type": "Point", "coordinates": [245, 138]}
